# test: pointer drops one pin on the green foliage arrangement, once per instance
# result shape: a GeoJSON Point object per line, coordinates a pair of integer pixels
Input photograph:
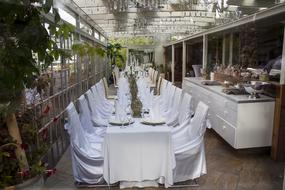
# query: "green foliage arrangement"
{"type": "Point", "coordinates": [136, 104]}
{"type": "Point", "coordinates": [85, 49]}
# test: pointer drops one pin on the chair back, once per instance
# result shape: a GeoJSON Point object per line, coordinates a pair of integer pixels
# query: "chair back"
{"type": "Point", "coordinates": [185, 109]}
{"type": "Point", "coordinates": [158, 86]}
{"type": "Point", "coordinates": [105, 86]}
{"type": "Point", "coordinates": [163, 86]}
{"type": "Point", "coordinates": [170, 96]}
{"type": "Point", "coordinates": [198, 123]}
{"type": "Point", "coordinates": [197, 70]}
{"type": "Point", "coordinates": [155, 77]}
{"type": "Point", "coordinates": [101, 89]}
{"type": "Point", "coordinates": [85, 115]}
{"type": "Point", "coordinates": [177, 99]}
{"type": "Point", "coordinates": [75, 130]}
{"type": "Point", "coordinates": [91, 100]}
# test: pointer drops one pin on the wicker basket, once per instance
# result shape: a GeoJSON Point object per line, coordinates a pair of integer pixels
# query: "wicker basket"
{"type": "Point", "coordinates": [223, 77]}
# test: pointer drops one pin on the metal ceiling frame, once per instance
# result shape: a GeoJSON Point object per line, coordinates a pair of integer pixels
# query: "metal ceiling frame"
{"type": "Point", "coordinates": [150, 17]}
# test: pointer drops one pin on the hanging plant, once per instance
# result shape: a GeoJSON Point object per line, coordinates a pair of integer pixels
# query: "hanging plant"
{"type": "Point", "coordinates": [83, 50]}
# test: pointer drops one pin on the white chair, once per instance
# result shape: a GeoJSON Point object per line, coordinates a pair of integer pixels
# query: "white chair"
{"type": "Point", "coordinates": [150, 72]}
{"type": "Point", "coordinates": [158, 86]}
{"type": "Point", "coordinates": [181, 121]}
{"type": "Point", "coordinates": [115, 80]}
{"type": "Point", "coordinates": [106, 87]}
{"type": "Point", "coordinates": [162, 98]}
{"type": "Point", "coordinates": [97, 118]}
{"type": "Point", "coordinates": [173, 113]}
{"type": "Point", "coordinates": [168, 100]}
{"type": "Point", "coordinates": [105, 109]}
{"type": "Point", "coordinates": [101, 90]}
{"type": "Point", "coordinates": [96, 133]}
{"type": "Point", "coordinates": [87, 161]}
{"type": "Point", "coordinates": [162, 90]}
{"type": "Point", "coordinates": [189, 148]}
{"type": "Point", "coordinates": [197, 70]}
{"type": "Point", "coordinates": [154, 79]}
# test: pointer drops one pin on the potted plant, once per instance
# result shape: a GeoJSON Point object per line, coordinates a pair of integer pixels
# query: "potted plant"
{"type": "Point", "coordinates": [22, 36]}
{"type": "Point", "coordinates": [114, 53]}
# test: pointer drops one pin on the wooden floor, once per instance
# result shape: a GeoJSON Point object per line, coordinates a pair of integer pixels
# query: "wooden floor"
{"type": "Point", "coordinates": [227, 170]}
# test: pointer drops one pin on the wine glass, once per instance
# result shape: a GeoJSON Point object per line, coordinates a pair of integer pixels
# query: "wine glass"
{"type": "Point", "coordinates": [142, 112]}
{"type": "Point", "coordinates": [122, 117]}
{"type": "Point", "coordinates": [130, 117]}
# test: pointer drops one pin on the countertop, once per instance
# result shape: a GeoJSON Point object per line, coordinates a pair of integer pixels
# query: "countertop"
{"type": "Point", "coordinates": [218, 90]}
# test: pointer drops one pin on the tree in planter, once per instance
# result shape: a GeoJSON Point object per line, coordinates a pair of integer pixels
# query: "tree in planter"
{"type": "Point", "coordinates": [22, 34]}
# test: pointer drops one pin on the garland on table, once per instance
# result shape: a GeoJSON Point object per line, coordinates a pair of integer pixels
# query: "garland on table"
{"type": "Point", "coordinates": [136, 104]}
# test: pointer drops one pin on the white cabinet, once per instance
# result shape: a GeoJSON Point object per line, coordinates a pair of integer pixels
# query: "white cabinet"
{"type": "Point", "coordinates": [242, 122]}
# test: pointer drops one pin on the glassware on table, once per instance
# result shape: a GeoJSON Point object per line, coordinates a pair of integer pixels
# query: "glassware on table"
{"type": "Point", "coordinates": [122, 118]}
{"type": "Point", "coordinates": [130, 117]}
{"type": "Point", "coordinates": [142, 112]}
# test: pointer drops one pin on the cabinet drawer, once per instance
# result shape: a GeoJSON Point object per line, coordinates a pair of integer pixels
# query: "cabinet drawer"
{"type": "Point", "coordinates": [227, 114]}
{"type": "Point", "coordinates": [226, 130]}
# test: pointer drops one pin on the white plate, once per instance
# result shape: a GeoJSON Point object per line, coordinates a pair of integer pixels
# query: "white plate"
{"type": "Point", "coordinates": [150, 121]}
{"type": "Point", "coordinates": [114, 121]}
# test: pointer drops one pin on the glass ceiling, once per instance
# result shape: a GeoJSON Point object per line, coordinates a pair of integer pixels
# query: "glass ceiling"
{"type": "Point", "coordinates": [128, 18]}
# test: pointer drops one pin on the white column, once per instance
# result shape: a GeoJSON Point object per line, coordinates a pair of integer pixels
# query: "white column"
{"type": "Point", "coordinates": [282, 76]}
{"type": "Point", "coordinates": [205, 50]}
{"type": "Point", "coordinates": [231, 48]}
{"type": "Point", "coordinates": [224, 50]}
{"type": "Point", "coordinates": [172, 63]}
{"type": "Point", "coordinates": [183, 60]}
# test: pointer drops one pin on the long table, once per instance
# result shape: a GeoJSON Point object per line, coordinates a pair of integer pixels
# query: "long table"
{"type": "Point", "coordinates": [138, 154]}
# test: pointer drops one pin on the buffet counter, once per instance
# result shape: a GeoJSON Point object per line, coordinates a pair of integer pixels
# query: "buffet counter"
{"type": "Point", "coordinates": [241, 121]}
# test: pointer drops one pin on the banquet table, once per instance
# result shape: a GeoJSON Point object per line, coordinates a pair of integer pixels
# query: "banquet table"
{"type": "Point", "coordinates": [138, 154]}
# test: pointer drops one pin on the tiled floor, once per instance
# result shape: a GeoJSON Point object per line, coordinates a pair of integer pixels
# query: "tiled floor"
{"type": "Point", "coordinates": [227, 170]}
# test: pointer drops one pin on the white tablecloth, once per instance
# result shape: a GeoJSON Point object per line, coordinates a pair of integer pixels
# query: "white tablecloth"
{"type": "Point", "coordinates": [138, 153]}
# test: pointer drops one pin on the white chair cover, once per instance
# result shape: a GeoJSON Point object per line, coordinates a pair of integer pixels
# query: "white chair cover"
{"type": "Point", "coordinates": [94, 133]}
{"type": "Point", "coordinates": [185, 111]}
{"type": "Point", "coordinates": [189, 148]}
{"type": "Point", "coordinates": [104, 109]}
{"type": "Point", "coordinates": [169, 96]}
{"type": "Point", "coordinates": [101, 91]}
{"type": "Point", "coordinates": [150, 72]}
{"type": "Point", "coordinates": [106, 87]}
{"type": "Point", "coordinates": [97, 118]}
{"type": "Point", "coordinates": [184, 115]}
{"type": "Point", "coordinates": [172, 115]}
{"type": "Point", "coordinates": [158, 86]}
{"type": "Point", "coordinates": [162, 92]}
{"type": "Point", "coordinates": [155, 78]}
{"type": "Point", "coordinates": [197, 70]}
{"type": "Point", "coordinates": [87, 162]}
{"type": "Point", "coordinates": [163, 86]}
